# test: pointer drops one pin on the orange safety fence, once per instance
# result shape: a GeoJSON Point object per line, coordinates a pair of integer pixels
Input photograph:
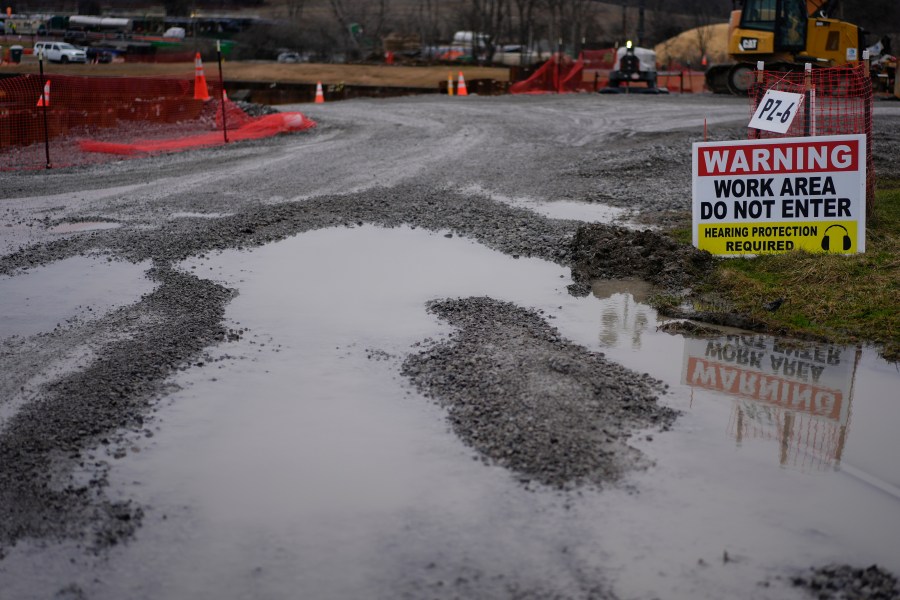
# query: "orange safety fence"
{"type": "Point", "coordinates": [148, 114]}
{"type": "Point", "coordinates": [559, 74]}
{"type": "Point", "coordinates": [837, 101]}
{"type": "Point", "coordinates": [682, 81]}
{"type": "Point", "coordinates": [590, 72]}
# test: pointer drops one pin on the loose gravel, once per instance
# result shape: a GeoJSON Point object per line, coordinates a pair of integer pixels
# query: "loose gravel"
{"type": "Point", "coordinates": [843, 582]}
{"type": "Point", "coordinates": [531, 401]}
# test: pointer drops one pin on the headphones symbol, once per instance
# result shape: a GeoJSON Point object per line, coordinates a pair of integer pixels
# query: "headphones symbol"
{"type": "Point", "coordinates": [826, 241]}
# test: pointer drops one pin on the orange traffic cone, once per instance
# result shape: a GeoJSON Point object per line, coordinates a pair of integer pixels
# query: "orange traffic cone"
{"type": "Point", "coordinates": [320, 97]}
{"type": "Point", "coordinates": [44, 99]}
{"type": "Point", "coordinates": [462, 91]}
{"type": "Point", "coordinates": [201, 92]}
{"type": "Point", "coordinates": [449, 84]}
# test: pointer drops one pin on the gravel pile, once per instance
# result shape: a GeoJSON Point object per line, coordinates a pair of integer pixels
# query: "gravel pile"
{"type": "Point", "coordinates": [531, 401]}
{"type": "Point", "coordinates": [843, 582]}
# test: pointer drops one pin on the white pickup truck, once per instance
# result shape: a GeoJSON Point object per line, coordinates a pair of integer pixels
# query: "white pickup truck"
{"type": "Point", "coordinates": [60, 52]}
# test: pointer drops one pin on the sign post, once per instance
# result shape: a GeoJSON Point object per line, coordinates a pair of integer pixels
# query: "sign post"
{"type": "Point", "coordinates": [772, 196]}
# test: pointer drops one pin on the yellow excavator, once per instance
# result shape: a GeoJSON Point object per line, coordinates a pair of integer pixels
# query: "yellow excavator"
{"type": "Point", "coordinates": [785, 34]}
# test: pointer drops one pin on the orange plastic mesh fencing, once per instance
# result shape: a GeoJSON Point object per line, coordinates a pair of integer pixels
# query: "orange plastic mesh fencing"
{"type": "Point", "coordinates": [248, 129]}
{"type": "Point", "coordinates": [150, 114]}
{"type": "Point", "coordinates": [837, 101]}
{"type": "Point", "coordinates": [681, 81]}
{"type": "Point", "coordinates": [591, 72]}
{"type": "Point", "coordinates": [559, 74]}
{"type": "Point", "coordinates": [599, 59]}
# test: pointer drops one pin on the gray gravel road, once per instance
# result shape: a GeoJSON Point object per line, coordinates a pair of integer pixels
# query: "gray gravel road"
{"type": "Point", "coordinates": [425, 162]}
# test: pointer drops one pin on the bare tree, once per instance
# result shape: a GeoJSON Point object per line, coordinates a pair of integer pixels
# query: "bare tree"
{"type": "Point", "coordinates": [576, 18]}
{"type": "Point", "coordinates": [487, 18]}
{"type": "Point", "coordinates": [524, 20]}
{"type": "Point", "coordinates": [358, 17]}
{"type": "Point", "coordinates": [295, 9]}
{"type": "Point", "coordinates": [428, 21]}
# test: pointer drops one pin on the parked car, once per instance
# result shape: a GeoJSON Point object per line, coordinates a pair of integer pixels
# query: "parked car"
{"type": "Point", "coordinates": [60, 52]}
{"type": "Point", "coordinates": [291, 57]}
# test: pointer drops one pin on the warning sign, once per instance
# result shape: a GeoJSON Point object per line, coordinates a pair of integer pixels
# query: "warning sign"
{"type": "Point", "coordinates": [778, 195]}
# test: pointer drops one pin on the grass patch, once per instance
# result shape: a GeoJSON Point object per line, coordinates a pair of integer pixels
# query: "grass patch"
{"type": "Point", "coordinates": [842, 298]}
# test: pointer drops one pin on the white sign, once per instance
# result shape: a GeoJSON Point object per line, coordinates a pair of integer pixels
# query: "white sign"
{"type": "Point", "coordinates": [776, 111]}
{"type": "Point", "coordinates": [778, 195]}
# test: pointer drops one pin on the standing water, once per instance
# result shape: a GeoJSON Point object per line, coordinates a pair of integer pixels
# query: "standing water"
{"type": "Point", "coordinates": [297, 462]}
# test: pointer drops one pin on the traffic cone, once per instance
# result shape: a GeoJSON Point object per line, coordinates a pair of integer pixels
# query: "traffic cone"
{"type": "Point", "coordinates": [461, 90]}
{"type": "Point", "coordinates": [201, 92]}
{"type": "Point", "coordinates": [44, 99]}
{"type": "Point", "coordinates": [449, 84]}
{"type": "Point", "coordinates": [320, 97]}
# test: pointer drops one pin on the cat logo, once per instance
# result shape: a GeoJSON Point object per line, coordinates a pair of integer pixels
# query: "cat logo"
{"type": "Point", "coordinates": [749, 43]}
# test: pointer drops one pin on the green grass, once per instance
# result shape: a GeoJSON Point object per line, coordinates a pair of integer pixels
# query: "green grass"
{"type": "Point", "coordinates": [837, 297]}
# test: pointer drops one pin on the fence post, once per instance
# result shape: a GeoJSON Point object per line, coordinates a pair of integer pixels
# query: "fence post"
{"type": "Point", "coordinates": [760, 89]}
{"type": "Point", "coordinates": [808, 129]}
{"type": "Point", "coordinates": [868, 107]}
{"type": "Point", "coordinates": [44, 106]}
{"type": "Point", "coordinates": [222, 91]}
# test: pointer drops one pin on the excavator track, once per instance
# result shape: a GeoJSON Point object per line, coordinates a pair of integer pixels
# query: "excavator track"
{"type": "Point", "coordinates": [717, 78]}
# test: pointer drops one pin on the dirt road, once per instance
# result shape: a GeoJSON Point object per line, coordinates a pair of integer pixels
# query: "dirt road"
{"type": "Point", "coordinates": [347, 363]}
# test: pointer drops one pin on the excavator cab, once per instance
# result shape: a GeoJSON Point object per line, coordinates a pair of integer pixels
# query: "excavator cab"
{"type": "Point", "coordinates": [785, 34]}
{"type": "Point", "coordinates": [786, 20]}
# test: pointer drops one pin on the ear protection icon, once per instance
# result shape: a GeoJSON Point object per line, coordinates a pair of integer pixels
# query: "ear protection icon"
{"type": "Point", "coordinates": [826, 241]}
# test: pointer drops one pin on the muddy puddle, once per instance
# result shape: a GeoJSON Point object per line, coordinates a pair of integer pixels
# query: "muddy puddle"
{"type": "Point", "coordinates": [588, 212]}
{"type": "Point", "coordinates": [78, 288]}
{"type": "Point", "coordinates": [198, 215]}
{"type": "Point", "coordinates": [79, 226]}
{"type": "Point", "coordinates": [297, 462]}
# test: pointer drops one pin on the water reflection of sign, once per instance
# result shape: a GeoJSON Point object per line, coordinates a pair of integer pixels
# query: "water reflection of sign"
{"type": "Point", "coordinates": [798, 396]}
{"type": "Point", "coordinates": [625, 313]}
{"type": "Point", "coordinates": [752, 385]}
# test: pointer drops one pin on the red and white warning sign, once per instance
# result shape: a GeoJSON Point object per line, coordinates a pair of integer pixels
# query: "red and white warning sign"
{"type": "Point", "coordinates": [778, 195]}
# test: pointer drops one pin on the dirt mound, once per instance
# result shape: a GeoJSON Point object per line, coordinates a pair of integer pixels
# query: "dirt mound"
{"type": "Point", "coordinates": [606, 252]}
{"type": "Point", "coordinates": [686, 46]}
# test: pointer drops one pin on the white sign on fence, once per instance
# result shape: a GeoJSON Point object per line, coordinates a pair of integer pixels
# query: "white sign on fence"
{"type": "Point", "coordinates": [776, 111]}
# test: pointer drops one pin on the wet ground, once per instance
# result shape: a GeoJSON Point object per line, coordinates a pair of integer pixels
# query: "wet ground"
{"type": "Point", "coordinates": [348, 364]}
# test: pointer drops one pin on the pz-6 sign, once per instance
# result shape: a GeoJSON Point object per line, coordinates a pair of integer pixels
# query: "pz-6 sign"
{"type": "Point", "coordinates": [776, 111]}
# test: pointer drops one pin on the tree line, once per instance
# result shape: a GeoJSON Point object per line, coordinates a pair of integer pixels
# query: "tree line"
{"type": "Point", "coordinates": [357, 28]}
